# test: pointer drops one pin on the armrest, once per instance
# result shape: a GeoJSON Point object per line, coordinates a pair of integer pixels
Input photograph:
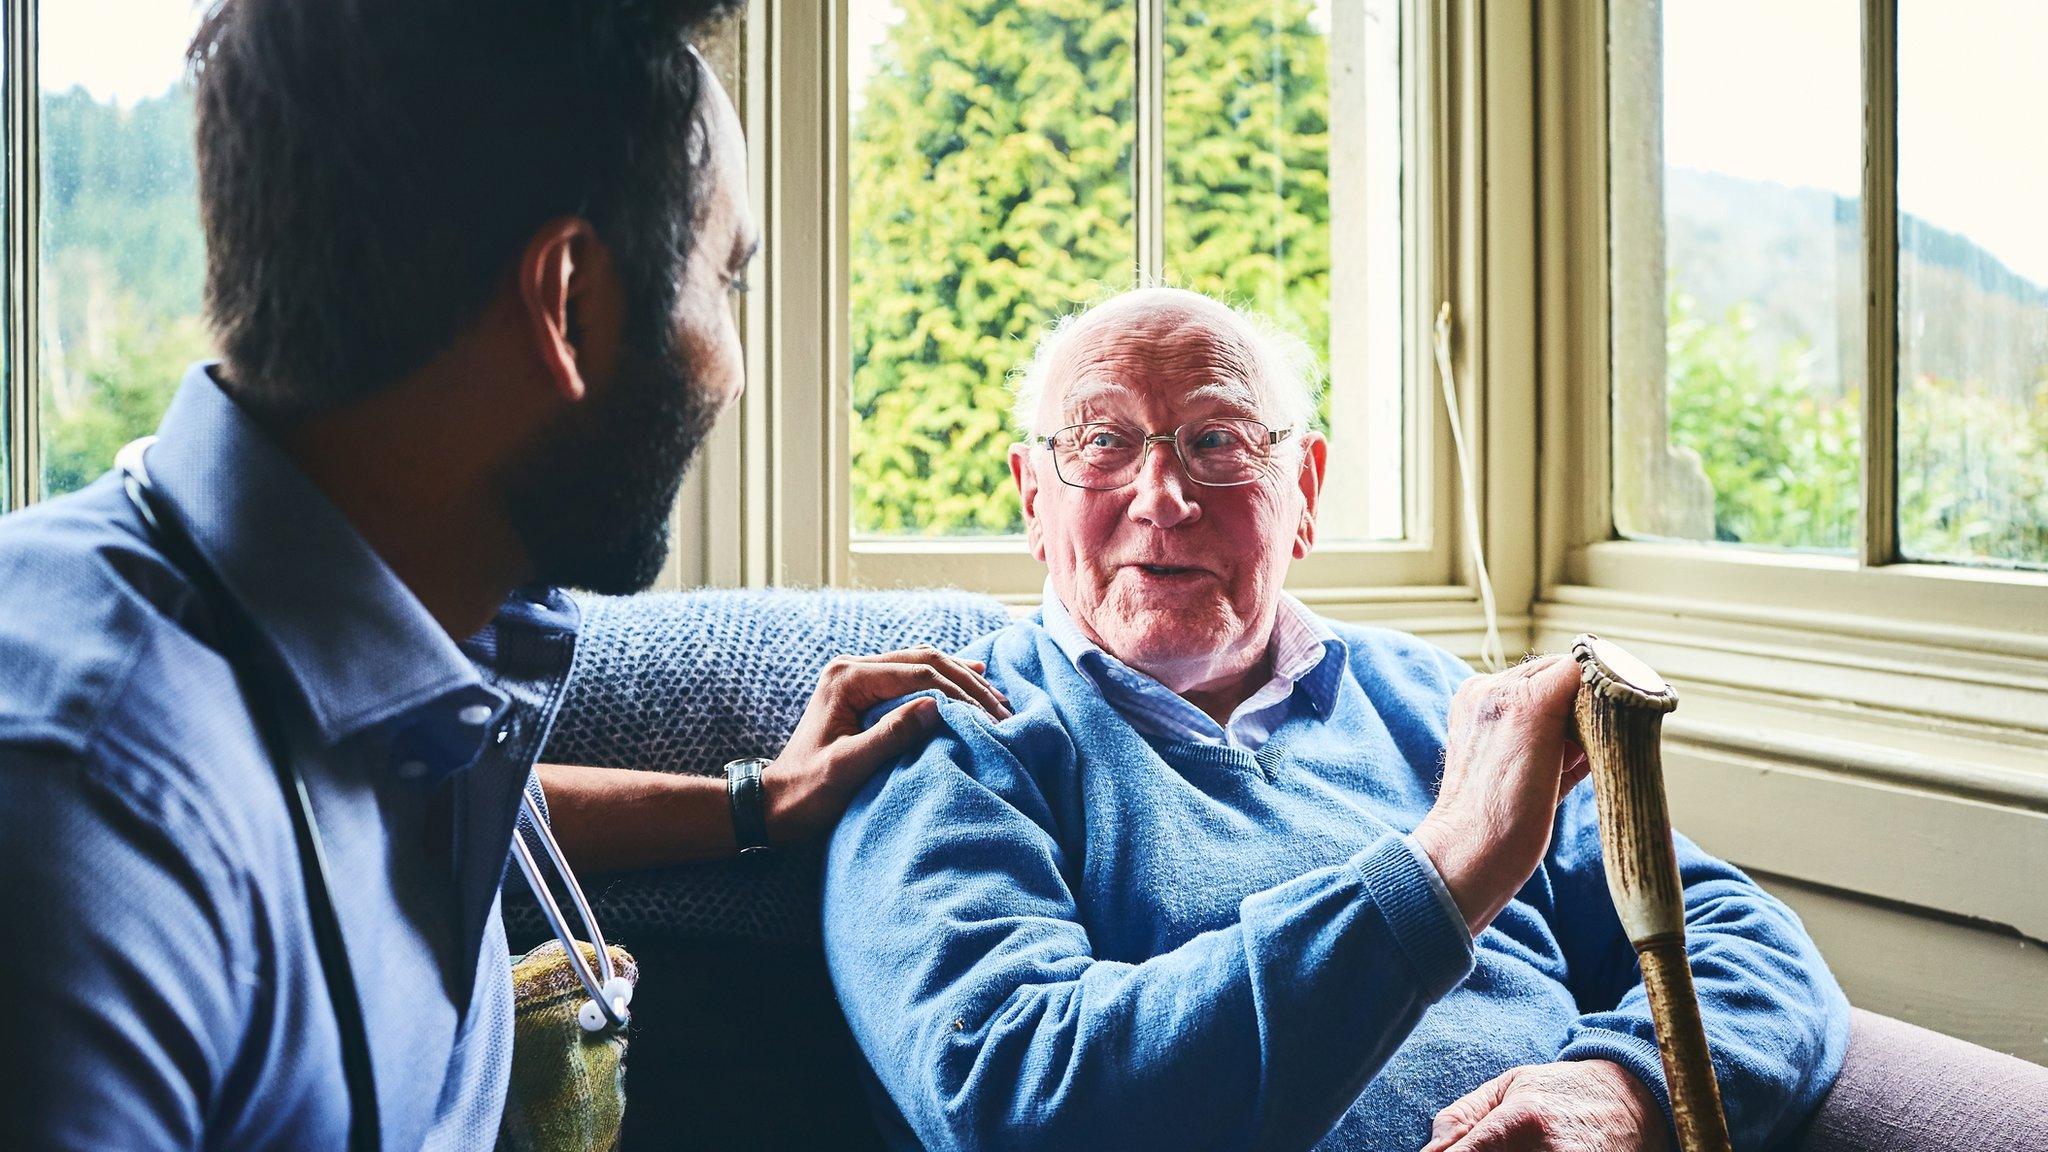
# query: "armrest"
{"type": "Point", "coordinates": [1906, 1089]}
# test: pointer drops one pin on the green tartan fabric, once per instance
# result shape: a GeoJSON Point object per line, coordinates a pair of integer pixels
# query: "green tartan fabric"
{"type": "Point", "coordinates": [568, 1090]}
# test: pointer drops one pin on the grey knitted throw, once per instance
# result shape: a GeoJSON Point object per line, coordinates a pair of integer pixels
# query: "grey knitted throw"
{"type": "Point", "coordinates": [684, 682]}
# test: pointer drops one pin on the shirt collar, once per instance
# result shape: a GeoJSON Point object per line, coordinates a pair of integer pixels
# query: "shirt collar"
{"type": "Point", "coordinates": [360, 647]}
{"type": "Point", "coordinates": [1306, 653]}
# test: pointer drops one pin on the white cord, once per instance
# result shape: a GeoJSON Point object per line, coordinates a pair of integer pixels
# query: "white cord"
{"type": "Point", "coordinates": [1492, 653]}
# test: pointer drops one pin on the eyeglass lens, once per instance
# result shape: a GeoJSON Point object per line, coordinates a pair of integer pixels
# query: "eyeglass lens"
{"type": "Point", "coordinates": [1218, 453]}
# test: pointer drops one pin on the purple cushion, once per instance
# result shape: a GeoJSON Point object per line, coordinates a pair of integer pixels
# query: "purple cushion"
{"type": "Point", "coordinates": [1906, 1089]}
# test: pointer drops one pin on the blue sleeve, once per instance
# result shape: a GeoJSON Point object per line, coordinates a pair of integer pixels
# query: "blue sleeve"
{"type": "Point", "coordinates": [1777, 1023]}
{"type": "Point", "coordinates": [965, 969]}
{"type": "Point", "coordinates": [118, 983]}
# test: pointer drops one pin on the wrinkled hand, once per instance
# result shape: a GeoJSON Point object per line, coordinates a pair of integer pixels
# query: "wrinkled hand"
{"type": "Point", "coordinates": [829, 756]}
{"type": "Point", "coordinates": [1573, 1106]}
{"type": "Point", "coordinates": [1509, 760]}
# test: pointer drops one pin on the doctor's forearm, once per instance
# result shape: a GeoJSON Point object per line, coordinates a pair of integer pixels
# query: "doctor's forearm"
{"type": "Point", "coordinates": [616, 819]}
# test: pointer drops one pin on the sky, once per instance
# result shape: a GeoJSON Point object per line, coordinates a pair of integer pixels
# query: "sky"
{"type": "Point", "coordinates": [1761, 89]}
{"type": "Point", "coordinates": [122, 50]}
{"type": "Point", "coordinates": [1772, 90]}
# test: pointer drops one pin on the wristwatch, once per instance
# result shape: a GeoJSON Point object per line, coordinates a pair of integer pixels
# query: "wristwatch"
{"type": "Point", "coordinates": [749, 804]}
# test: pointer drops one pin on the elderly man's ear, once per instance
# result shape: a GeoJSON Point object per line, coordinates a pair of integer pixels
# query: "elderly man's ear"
{"type": "Point", "coordinates": [1315, 458]}
{"type": "Point", "coordinates": [1026, 478]}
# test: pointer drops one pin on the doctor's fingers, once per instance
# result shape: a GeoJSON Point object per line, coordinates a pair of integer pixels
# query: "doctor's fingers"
{"type": "Point", "coordinates": [868, 681]}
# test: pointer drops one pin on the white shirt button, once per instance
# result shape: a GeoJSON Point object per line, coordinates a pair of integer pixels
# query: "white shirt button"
{"type": "Point", "coordinates": [474, 714]}
{"type": "Point", "coordinates": [413, 769]}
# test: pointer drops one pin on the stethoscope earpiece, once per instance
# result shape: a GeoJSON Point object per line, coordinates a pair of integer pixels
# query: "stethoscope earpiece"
{"type": "Point", "coordinates": [618, 992]}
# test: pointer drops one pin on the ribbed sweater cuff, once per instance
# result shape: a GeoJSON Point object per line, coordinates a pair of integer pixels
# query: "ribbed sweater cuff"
{"type": "Point", "coordinates": [1634, 1053]}
{"type": "Point", "coordinates": [1403, 885]}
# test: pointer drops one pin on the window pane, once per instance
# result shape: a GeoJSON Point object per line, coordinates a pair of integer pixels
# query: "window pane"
{"type": "Point", "coordinates": [1973, 283]}
{"type": "Point", "coordinates": [1739, 363]}
{"type": "Point", "coordinates": [989, 193]}
{"type": "Point", "coordinates": [122, 260]}
{"type": "Point", "coordinates": [1283, 143]}
{"type": "Point", "coordinates": [7, 429]}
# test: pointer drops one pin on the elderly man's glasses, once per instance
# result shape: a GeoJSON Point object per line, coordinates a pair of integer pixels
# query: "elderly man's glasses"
{"type": "Point", "coordinates": [1104, 455]}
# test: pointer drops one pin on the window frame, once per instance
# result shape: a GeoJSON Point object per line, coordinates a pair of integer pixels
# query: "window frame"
{"type": "Point", "coordinates": [1917, 640]}
{"type": "Point", "coordinates": [20, 108]}
{"type": "Point", "coordinates": [767, 507]}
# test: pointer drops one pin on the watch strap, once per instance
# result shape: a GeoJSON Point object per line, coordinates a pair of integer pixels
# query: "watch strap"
{"type": "Point", "coordinates": [749, 798]}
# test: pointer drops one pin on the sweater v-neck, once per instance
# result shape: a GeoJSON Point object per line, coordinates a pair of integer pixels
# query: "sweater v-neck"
{"type": "Point", "coordinates": [1101, 718]}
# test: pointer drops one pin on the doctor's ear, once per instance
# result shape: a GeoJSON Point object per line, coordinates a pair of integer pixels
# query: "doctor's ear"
{"type": "Point", "coordinates": [571, 305]}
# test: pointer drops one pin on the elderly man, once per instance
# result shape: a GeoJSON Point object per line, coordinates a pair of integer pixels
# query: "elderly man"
{"type": "Point", "coordinates": [1234, 876]}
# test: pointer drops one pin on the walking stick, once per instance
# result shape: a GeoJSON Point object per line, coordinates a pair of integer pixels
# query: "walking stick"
{"type": "Point", "coordinates": [1620, 712]}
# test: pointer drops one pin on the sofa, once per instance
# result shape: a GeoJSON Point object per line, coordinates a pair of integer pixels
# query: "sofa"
{"type": "Point", "coordinates": [736, 1041]}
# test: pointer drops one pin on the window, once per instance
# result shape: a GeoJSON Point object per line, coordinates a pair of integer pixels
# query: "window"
{"type": "Point", "coordinates": [990, 191]}
{"type": "Point", "coordinates": [1972, 285]}
{"type": "Point", "coordinates": [1010, 161]}
{"type": "Point", "coordinates": [1752, 405]}
{"type": "Point", "coordinates": [122, 263]}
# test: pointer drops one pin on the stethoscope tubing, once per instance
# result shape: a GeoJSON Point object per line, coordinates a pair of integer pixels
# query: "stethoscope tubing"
{"type": "Point", "coordinates": [607, 993]}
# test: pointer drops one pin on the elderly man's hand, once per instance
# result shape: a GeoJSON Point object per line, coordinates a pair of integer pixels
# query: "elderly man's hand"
{"type": "Point", "coordinates": [1510, 758]}
{"type": "Point", "coordinates": [1573, 1106]}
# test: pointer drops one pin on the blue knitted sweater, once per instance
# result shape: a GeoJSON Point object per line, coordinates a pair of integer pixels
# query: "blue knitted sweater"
{"type": "Point", "coordinates": [1050, 933]}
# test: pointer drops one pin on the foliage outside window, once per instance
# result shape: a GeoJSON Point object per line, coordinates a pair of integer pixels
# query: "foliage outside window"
{"type": "Point", "coordinates": [122, 266]}
{"type": "Point", "coordinates": [1745, 426]}
{"type": "Point", "coordinates": [992, 188]}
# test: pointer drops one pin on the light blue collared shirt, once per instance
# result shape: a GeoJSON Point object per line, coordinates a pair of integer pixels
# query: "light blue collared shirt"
{"type": "Point", "coordinates": [1305, 653]}
{"type": "Point", "coordinates": [159, 985]}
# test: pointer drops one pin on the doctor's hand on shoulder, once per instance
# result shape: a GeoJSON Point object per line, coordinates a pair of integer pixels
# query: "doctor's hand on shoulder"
{"type": "Point", "coordinates": [832, 753]}
{"type": "Point", "coordinates": [617, 819]}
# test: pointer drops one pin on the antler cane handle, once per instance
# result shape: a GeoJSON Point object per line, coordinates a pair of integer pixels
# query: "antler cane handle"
{"type": "Point", "coordinates": [1620, 713]}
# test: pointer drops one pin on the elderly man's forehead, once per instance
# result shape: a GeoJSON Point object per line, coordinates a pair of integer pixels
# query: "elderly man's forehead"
{"type": "Point", "coordinates": [1193, 351]}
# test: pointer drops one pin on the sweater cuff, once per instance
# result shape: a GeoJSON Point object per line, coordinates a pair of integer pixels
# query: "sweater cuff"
{"type": "Point", "coordinates": [1634, 1053]}
{"type": "Point", "coordinates": [1419, 911]}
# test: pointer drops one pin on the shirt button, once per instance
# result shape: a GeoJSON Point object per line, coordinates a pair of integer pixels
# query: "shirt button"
{"type": "Point", "coordinates": [503, 734]}
{"type": "Point", "coordinates": [475, 714]}
{"type": "Point", "coordinates": [413, 769]}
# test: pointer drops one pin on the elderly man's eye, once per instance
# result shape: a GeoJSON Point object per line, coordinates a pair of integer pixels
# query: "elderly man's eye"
{"type": "Point", "coordinates": [1217, 438]}
{"type": "Point", "coordinates": [1104, 439]}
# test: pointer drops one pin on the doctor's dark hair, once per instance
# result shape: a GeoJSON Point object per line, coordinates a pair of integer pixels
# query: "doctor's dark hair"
{"type": "Point", "coordinates": [370, 170]}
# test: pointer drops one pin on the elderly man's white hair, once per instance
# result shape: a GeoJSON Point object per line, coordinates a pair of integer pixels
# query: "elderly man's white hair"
{"type": "Point", "coordinates": [1290, 375]}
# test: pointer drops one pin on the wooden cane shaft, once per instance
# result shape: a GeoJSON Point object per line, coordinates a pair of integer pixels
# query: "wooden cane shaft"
{"type": "Point", "coordinates": [1620, 717]}
{"type": "Point", "coordinates": [1682, 1041]}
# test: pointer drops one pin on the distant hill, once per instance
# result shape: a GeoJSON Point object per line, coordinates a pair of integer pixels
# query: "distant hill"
{"type": "Point", "coordinates": [1793, 257]}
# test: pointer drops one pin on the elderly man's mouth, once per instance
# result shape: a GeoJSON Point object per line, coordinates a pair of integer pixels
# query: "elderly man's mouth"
{"type": "Point", "coordinates": [1168, 572]}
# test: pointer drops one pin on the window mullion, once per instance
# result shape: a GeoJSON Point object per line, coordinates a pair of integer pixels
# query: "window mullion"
{"type": "Point", "coordinates": [1148, 175]}
{"type": "Point", "coordinates": [1880, 520]}
{"type": "Point", "coordinates": [23, 222]}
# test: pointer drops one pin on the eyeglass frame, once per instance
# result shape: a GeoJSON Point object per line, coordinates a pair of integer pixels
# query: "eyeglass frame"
{"type": "Point", "coordinates": [1273, 437]}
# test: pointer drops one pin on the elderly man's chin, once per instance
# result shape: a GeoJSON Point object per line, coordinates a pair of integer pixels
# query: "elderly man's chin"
{"type": "Point", "coordinates": [1155, 618]}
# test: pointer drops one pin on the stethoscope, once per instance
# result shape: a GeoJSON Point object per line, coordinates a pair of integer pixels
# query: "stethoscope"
{"type": "Point", "coordinates": [609, 993]}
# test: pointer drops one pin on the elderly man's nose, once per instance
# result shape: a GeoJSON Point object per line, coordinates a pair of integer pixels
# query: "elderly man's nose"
{"type": "Point", "coordinates": [1159, 494]}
